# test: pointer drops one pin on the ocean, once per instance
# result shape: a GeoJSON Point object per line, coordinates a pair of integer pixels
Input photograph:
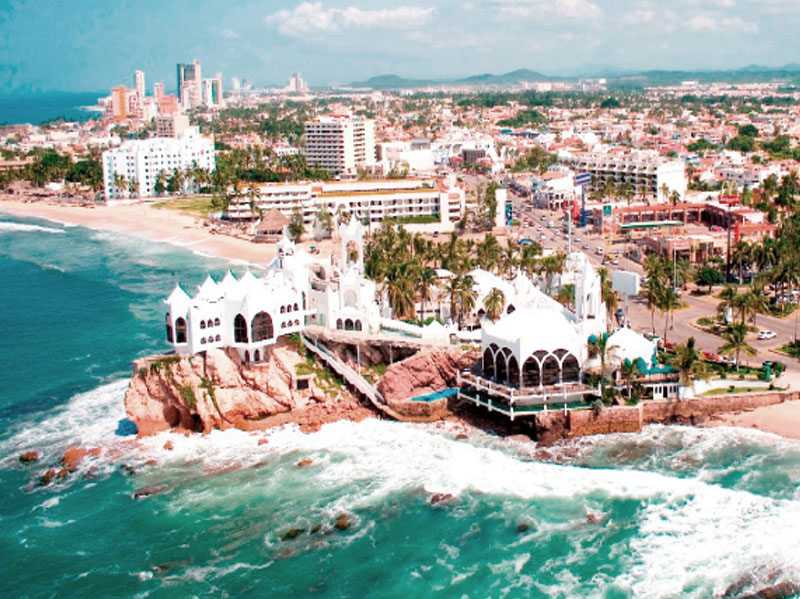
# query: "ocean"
{"type": "Point", "coordinates": [36, 108]}
{"type": "Point", "coordinates": [669, 512]}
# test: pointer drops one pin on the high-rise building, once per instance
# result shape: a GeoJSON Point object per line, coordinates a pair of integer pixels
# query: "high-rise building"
{"type": "Point", "coordinates": [119, 103]}
{"type": "Point", "coordinates": [138, 84]}
{"type": "Point", "coordinates": [212, 91]}
{"type": "Point", "coordinates": [133, 168]}
{"type": "Point", "coordinates": [171, 125]}
{"type": "Point", "coordinates": [190, 81]}
{"type": "Point", "coordinates": [340, 144]}
{"type": "Point", "coordinates": [297, 85]}
{"type": "Point", "coordinates": [158, 91]}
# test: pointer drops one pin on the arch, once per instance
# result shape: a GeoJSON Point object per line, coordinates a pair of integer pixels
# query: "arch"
{"type": "Point", "coordinates": [262, 327]}
{"type": "Point", "coordinates": [203, 341]}
{"type": "Point", "coordinates": [216, 322]}
{"type": "Point", "coordinates": [551, 371]}
{"type": "Point", "coordinates": [283, 309]}
{"type": "Point", "coordinates": [513, 372]}
{"type": "Point", "coordinates": [170, 337]}
{"type": "Point", "coordinates": [481, 313]}
{"type": "Point", "coordinates": [570, 369]}
{"type": "Point", "coordinates": [339, 324]}
{"type": "Point", "coordinates": [289, 308]}
{"type": "Point", "coordinates": [283, 325]}
{"type": "Point", "coordinates": [510, 308]}
{"type": "Point", "coordinates": [348, 325]}
{"type": "Point", "coordinates": [256, 356]}
{"type": "Point", "coordinates": [304, 299]}
{"type": "Point", "coordinates": [218, 338]}
{"type": "Point", "coordinates": [531, 374]}
{"type": "Point", "coordinates": [500, 369]}
{"type": "Point", "coordinates": [358, 325]}
{"type": "Point", "coordinates": [209, 323]}
{"type": "Point", "coordinates": [202, 324]}
{"type": "Point", "coordinates": [488, 363]}
{"type": "Point", "coordinates": [296, 307]}
{"type": "Point", "coordinates": [247, 356]}
{"type": "Point", "coordinates": [239, 329]}
{"type": "Point", "coordinates": [350, 298]}
{"type": "Point", "coordinates": [296, 323]}
{"type": "Point", "coordinates": [180, 330]}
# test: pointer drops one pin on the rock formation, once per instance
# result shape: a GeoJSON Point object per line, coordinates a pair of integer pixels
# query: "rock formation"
{"type": "Point", "coordinates": [201, 393]}
{"type": "Point", "coordinates": [424, 373]}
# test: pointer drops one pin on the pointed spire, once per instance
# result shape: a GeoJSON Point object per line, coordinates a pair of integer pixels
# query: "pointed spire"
{"type": "Point", "coordinates": [178, 295]}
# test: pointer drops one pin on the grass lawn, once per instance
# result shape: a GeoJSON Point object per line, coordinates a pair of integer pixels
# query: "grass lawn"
{"type": "Point", "coordinates": [727, 391]}
{"type": "Point", "coordinates": [197, 206]}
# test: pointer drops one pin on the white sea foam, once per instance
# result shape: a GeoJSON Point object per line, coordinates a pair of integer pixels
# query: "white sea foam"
{"type": "Point", "coordinates": [26, 228]}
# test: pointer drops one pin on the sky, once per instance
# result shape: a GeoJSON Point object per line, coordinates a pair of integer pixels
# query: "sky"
{"type": "Point", "coordinates": [92, 45]}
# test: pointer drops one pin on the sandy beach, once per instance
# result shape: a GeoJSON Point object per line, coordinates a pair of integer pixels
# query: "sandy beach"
{"type": "Point", "coordinates": [781, 419]}
{"type": "Point", "coordinates": [146, 222]}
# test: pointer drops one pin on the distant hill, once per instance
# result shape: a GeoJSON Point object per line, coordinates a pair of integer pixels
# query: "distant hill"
{"type": "Point", "coordinates": [632, 79]}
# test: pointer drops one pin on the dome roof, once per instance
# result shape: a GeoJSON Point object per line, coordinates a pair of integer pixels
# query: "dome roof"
{"type": "Point", "coordinates": [532, 329]}
{"type": "Point", "coordinates": [628, 344]}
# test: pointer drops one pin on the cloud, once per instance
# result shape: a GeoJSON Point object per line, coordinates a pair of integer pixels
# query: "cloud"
{"type": "Point", "coordinates": [569, 9]}
{"type": "Point", "coordinates": [706, 22]}
{"type": "Point", "coordinates": [313, 17]}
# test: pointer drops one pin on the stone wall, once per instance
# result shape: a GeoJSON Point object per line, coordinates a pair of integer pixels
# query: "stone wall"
{"type": "Point", "coordinates": [555, 425]}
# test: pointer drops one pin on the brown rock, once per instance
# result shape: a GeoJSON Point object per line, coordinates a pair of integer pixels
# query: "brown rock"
{"type": "Point", "coordinates": [292, 533]}
{"type": "Point", "coordinates": [461, 436]}
{"type": "Point", "coordinates": [442, 498]}
{"type": "Point", "coordinates": [29, 456]}
{"type": "Point", "coordinates": [263, 441]}
{"type": "Point", "coordinates": [47, 477]}
{"type": "Point", "coordinates": [342, 522]}
{"type": "Point", "coordinates": [425, 372]}
{"type": "Point", "coordinates": [305, 462]}
{"type": "Point", "coordinates": [63, 473]}
{"type": "Point", "coordinates": [169, 446]}
{"type": "Point", "coordinates": [73, 457]}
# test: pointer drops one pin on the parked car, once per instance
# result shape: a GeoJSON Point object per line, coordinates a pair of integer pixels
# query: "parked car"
{"type": "Point", "coordinates": [599, 251]}
{"type": "Point", "coordinates": [766, 335]}
{"type": "Point", "coordinates": [586, 246]}
{"type": "Point", "coordinates": [615, 261]}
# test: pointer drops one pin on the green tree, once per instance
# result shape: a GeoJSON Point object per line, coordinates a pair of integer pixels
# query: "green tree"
{"type": "Point", "coordinates": [709, 276]}
{"type": "Point", "coordinates": [462, 296]}
{"type": "Point", "coordinates": [689, 363]}
{"type": "Point", "coordinates": [494, 302]}
{"type": "Point", "coordinates": [629, 371]}
{"type": "Point", "coordinates": [735, 337]}
{"type": "Point", "coordinates": [296, 225]}
{"type": "Point", "coordinates": [426, 282]}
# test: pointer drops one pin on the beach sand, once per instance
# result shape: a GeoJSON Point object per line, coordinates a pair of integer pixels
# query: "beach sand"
{"type": "Point", "coordinates": [781, 419]}
{"type": "Point", "coordinates": [146, 222]}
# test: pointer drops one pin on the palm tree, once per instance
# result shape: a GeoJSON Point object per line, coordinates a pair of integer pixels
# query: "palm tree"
{"type": "Point", "coordinates": [607, 290]}
{"type": "Point", "coordinates": [462, 296]}
{"type": "Point", "coordinates": [566, 295]}
{"type": "Point", "coordinates": [753, 302]}
{"type": "Point", "coordinates": [688, 362]}
{"type": "Point", "coordinates": [668, 302]}
{"type": "Point", "coordinates": [598, 346]}
{"type": "Point", "coordinates": [629, 371]}
{"type": "Point", "coordinates": [425, 283]}
{"type": "Point", "coordinates": [729, 296]}
{"type": "Point", "coordinates": [735, 337]}
{"type": "Point", "coordinates": [494, 302]}
{"type": "Point", "coordinates": [651, 291]}
{"type": "Point", "coordinates": [399, 287]}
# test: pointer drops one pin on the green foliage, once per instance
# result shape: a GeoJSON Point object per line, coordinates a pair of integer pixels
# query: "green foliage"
{"type": "Point", "coordinates": [742, 143]}
{"type": "Point", "coordinates": [748, 131]}
{"type": "Point", "coordinates": [419, 219]}
{"type": "Point", "coordinates": [296, 225]}
{"type": "Point", "coordinates": [524, 118]}
{"type": "Point", "coordinates": [701, 145]}
{"type": "Point", "coordinates": [535, 160]}
{"type": "Point", "coordinates": [187, 396]}
{"type": "Point", "coordinates": [163, 363]}
{"type": "Point", "coordinates": [610, 103]}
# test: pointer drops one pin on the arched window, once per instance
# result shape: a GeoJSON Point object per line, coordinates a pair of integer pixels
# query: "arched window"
{"type": "Point", "coordinates": [296, 323]}
{"type": "Point", "coordinates": [247, 356]}
{"type": "Point", "coordinates": [348, 325]}
{"type": "Point", "coordinates": [551, 373]}
{"type": "Point", "coordinates": [296, 307]}
{"type": "Point", "coordinates": [170, 338]}
{"type": "Point", "coordinates": [510, 308]}
{"type": "Point", "coordinates": [339, 324]}
{"type": "Point", "coordinates": [304, 300]}
{"type": "Point", "coordinates": [283, 309]}
{"type": "Point", "coordinates": [239, 329]}
{"type": "Point", "coordinates": [513, 372]}
{"type": "Point", "coordinates": [256, 356]}
{"type": "Point", "coordinates": [283, 325]}
{"type": "Point", "coordinates": [218, 338]}
{"type": "Point", "coordinates": [202, 324]}
{"type": "Point", "coordinates": [262, 327]}
{"type": "Point", "coordinates": [571, 370]}
{"type": "Point", "coordinates": [501, 370]}
{"type": "Point", "coordinates": [209, 323]}
{"type": "Point", "coordinates": [488, 363]}
{"type": "Point", "coordinates": [358, 325]}
{"type": "Point", "coordinates": [216, 322]}
{"type": "Point", "coordinates": [531, 376]}
{"type": "Point", "coordinates": [203, 341]}
{"type": "Point", "coordinates": [180, 331]}
{"type": "Point", "coordinates": [289, 308]}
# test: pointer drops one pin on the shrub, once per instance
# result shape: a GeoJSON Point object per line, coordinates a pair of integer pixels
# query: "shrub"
{"type": "Point", "coordinates": [188, 397]}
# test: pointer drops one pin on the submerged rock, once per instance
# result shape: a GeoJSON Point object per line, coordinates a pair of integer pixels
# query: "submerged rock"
{"type": "Point", "coordinates": [73, 457]}
{"type": "Point", "coordinates": [781, 590]}
{"type": "Point", "coordinates": [47, 477]}
{"type": "Point", "coordinates": [305, 462]}
{"type": "Point", "coordinates": [149, 490]}
{"type": "Point", "coordinates": [29, 456]}
{"type": "Point", "coordinates": [292, 533]}
{"type": "Point", "coordinates": [342, 522]}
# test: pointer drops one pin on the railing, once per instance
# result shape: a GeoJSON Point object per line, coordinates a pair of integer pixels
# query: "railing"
{"type": "Point", "coordinates": [529, 396]}
{"type": "Point", "coordinates": [353, 378]}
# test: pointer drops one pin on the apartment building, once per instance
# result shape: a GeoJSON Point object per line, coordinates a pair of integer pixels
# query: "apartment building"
{"type": "Point", "coordinates": [373, 201]}
{"type": "Point", "coordinates": [131, 170]}
{"type": "Point", "coordinates": [340, 144]}
{"type": "Point", "coordinates": [646, 175]}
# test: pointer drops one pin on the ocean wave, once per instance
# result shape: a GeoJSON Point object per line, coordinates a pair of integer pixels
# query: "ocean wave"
{"type": "Point", "coordinates": [26, 228]}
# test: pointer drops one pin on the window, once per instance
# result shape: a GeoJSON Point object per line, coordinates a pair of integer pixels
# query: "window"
{"type": "Point", "coordinates": [262, 327]}
{"type": "Point", "coordinates": [218, 338]}
{"type": "Point", "coordinates": [180, 331]}
{"type": "Point", "coordinates": [239, 329]}
{"type": "Point", "coordinates": [202, 324]}
{"type": "Point", "coordinates": [216, 323]}
{"type": "Point", "coordinates": [169, 330]}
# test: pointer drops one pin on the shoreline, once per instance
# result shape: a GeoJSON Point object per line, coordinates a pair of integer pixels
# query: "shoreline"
{"type": "Point", "coordinates": [782, 419]}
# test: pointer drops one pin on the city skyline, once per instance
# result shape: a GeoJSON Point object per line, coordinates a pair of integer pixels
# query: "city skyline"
{"type": "Point", "coordinates": [49, 46]}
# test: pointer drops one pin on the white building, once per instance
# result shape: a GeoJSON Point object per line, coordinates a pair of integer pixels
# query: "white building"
{"type": "Point", "coordinates": [296, 85]}
{"type": "Point", "coordinates": [340, 144]}
{"type": "Point", "coordinates": [645, 174]}
{"type": "Point", "coordinates": [137, 163]}
{"type": "Point", "coordinates": [373, 201]}
{"type": "Point", "coordinates": [251, 313]}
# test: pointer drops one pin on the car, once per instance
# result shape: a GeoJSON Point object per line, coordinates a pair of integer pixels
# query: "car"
{"type": "Point", "coordinates": [615, 261]}
{"type": "Point", "coordinates": [599, 251]}
{"type": "Point", "coordinates": [577, 239]}
{"type": "Point", "coordinates": [763, 335]}
{"type": "Point", "coordinates": [585, 246]}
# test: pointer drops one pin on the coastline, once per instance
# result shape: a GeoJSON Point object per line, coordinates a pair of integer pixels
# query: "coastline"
{"type": "Point", "coordinates": [781, 419]}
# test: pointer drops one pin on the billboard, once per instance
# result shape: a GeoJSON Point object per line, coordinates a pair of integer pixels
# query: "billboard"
{"type": "Point", "coordinates": [626, 283]}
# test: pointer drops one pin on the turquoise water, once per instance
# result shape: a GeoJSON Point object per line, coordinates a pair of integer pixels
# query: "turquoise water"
{"type": "Point", "coordinates": [36, 108]}
{"type": "Point", "coordinates": [670, 512]}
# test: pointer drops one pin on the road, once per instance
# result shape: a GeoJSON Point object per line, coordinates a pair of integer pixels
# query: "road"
{"type": "Point", "coordinates": [698, 305]}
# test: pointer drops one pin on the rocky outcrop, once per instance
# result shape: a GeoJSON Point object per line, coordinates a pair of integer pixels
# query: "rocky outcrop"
{"type": "Point", "coordinates": [424, 373]}
{"type": "Point", "coordinates": [218, 391]}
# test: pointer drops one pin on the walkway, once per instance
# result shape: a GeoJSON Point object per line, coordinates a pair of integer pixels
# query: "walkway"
{"type": "Point", "coordinates": [373, 339]}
